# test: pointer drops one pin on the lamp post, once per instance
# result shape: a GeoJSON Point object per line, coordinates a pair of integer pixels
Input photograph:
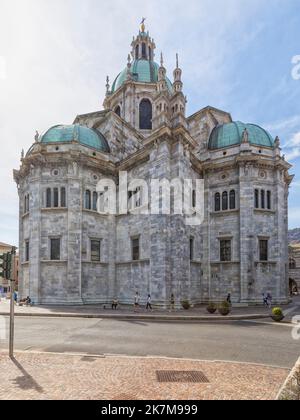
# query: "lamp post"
{"type": "Point", "coordinates": [12, 304]}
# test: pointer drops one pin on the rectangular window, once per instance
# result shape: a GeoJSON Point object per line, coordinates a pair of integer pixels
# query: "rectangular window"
{"type": "Point", "coordinates": [138, 197]}
{"type": "Point", "coordinates": [135, 199]}
{"type": "Point", "coordinates": [63, 201]}
{"type": "Point", "coordinates": [194, 199]}
{"type": "Point", "coordinates": [256, 199]}
{"type": "Point", "coordinates": [55, 197]}
{"type": "Point", "coordinates": [225, 250]}
{"type": "Point", "coordinates": [192, 241]}
{"type": "Point", "coordinates": [48, 198]}
{"type": "Point", "coordinates": [55, 249]}
{"type": "Point", "coordinates": [27, 251]}
{"type": "Point", "coordinates": [269, 204]}
{"type": "Point", "coordinates": [96, 250]}
{"type": "Point", "coordinates": [263, 250]}
{"type": "Point", "coordinates": [135, 243]}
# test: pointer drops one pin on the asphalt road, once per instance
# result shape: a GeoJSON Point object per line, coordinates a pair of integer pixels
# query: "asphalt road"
{"type": "Point", "coordinates": [255, 342]}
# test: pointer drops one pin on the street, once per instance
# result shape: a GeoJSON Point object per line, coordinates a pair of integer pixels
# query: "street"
{"type": "Point", "coordinates": [240, 341]}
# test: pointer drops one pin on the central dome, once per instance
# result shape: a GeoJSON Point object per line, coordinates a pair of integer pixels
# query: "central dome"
{"type": "Point", "coordinates": [143, 71]}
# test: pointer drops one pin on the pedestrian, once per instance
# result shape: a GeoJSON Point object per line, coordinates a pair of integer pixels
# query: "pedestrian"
{"type": "Point", "coordinates": [265, 300]}
{"type": "Point", "coordinates": [136, 302]}
{"type": "Point", "coordinates": [149, 305]}
{"type": "Point", "coordinates": [172, 302]}
{"type": "Point", "coordinates": [229, 299]}
{"type": "Point", "coordinates": [269, 300]}
{"type": "Point", "coordinates": [115, 304]}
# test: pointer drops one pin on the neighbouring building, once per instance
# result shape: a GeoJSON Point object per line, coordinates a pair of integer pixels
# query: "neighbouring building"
{"type": "Point", "coordinates": [70, 253]}
{"type": "Point", "coordinates": [4, 284]}
{"type": "Point", "coordinates": [294, 265]}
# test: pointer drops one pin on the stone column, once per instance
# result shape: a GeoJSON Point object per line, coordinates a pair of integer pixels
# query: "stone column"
{"type": "Point", "coordinates": [35, 235]}
{"type": "Point", "coordinates": [160, 168]}
{"type": "Point", "coordinates": [74, 240]}
{"type": "Point", "coordinates": [247, 253]}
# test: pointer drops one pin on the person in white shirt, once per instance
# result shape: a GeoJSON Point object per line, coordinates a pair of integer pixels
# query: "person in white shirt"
{"type": "Point", "coordinates": [149, 305]}
{"type": "Point", "coordinates": [136, 302]}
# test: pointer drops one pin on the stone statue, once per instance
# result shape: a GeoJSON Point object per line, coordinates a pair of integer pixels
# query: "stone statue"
{"type": "Point", "coordinates": [22, 154]}
{"type": "Point", "coordinates": [37, 136]}
{"type": "Point", "coordinates": [245, 136]}
{"type": "Point", "coordinates": [277, 142]}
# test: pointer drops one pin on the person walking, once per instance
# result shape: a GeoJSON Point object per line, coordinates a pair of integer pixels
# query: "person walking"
{"type": "Point", "coordinates": [149, 305]}
{"type": "Point", "coordinates": [269, 300]}
{"type": "Point", "coordinates": [229, 299]}
{"type": "Point", "coordinates": [172, 302]}
{"type": "Point", "coordinates": [265, 300]}
{"type": "Point", "coordinates": [136, 302]}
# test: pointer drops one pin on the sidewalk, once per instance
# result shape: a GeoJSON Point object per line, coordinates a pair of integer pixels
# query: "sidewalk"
{"type": "Point", "coordinates": [125, 313]}
{"type": "Point", "coordinates": [40, 376]}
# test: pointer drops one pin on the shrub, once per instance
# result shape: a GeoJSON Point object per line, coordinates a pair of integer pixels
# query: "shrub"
{"type": "Point", "coordinates": [224, 308]}
{"type": "Point", "coordinates": [186, 304]}
{"type": "Point", "coordinates": [277, 315]}
{"type": "Point", "coordinates": [211, 308]}
{"type": "Point", "coordinates": [277, 312]}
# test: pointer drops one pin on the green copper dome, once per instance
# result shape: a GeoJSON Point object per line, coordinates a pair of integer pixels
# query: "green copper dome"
{"type": "Point", "coordinates": [68, 133]}
{"type": "Point", "coordinates": [143, 71]}
{"type": "Point", "coordinates": [231, 134]}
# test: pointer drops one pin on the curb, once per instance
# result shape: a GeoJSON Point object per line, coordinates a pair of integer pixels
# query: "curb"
{"type": "Point", "coordinates": [140, 317]}
{"type": "Point", "coordinates": [291, 388]}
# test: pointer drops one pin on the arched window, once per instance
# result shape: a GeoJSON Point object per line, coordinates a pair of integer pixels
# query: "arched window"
{"type": "Point", "coordinates": [292, 264]}
{"type": "Point", "coordinates": [48, 198]}
{"type": "Point", "coordinates": [232, 200]}
{"type": "Point", "coordinates": [145, 115]}
{"type": "Point", "coordinates": [137, 52]}
{"type": "Point", "coordinates": [256, 199]}
{"type": "Point", "coordinates": [55, 197]}
{"type": "Point", "coordinates": [118, 111]}
{"type": "Point", "coordinates": [225, 200]}
{"type": "Point", "coordinates": [88, 200]}
{"type": "Point", "coordinates": [63, 201]}
{"type": "Point", "coordinates": [269, 203]}
{"type": "Point", "coordinates": [263, 199]}
{"type": "Point", "coordinates": [217, 202]}
{"type": "Point", "coordinates": [144, 54]}
{"type": "Point", "coordinates": [25, 204]}
{"type": "Point", "coordinates": [150, 54]}
{"type": "Point", "coordinates": [95, 201]}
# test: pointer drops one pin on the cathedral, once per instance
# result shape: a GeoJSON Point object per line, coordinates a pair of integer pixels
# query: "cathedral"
{"type": "Point", "coordinates": [73, 254]}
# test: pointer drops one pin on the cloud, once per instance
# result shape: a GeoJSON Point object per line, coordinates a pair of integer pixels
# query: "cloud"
{"type": "Point", "coordinates": [292, 147]}
{"type": "Point", "coordinates": [283, 125]}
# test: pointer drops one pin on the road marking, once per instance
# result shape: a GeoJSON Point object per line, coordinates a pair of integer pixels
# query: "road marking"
{"type": "Point", "coordinates": [294, 308]}
{"type": "Point", "coordinates": [273, 324]}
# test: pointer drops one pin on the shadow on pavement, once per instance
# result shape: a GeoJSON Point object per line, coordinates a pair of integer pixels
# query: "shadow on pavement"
{"type": "Point", "coordinates": [26, 381]}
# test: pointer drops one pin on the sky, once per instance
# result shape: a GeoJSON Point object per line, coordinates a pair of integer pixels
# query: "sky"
{"type": "Point", "coordinates": [237, 55]}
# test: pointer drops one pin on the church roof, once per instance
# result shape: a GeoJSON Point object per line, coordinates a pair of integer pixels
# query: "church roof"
{"type": "Point", "coordinates": [68, 133]}
{"type": "Point", "coordinates": [231, 134]}
{"type": "Point", "coordinates": [143, 71]}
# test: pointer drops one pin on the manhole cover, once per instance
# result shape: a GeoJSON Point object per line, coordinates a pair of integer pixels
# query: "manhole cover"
{"type": "Point", "coordinates": [181, 376]}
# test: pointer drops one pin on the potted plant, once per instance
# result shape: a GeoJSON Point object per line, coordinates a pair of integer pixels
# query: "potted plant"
{"type": "Point", "coordinates": [277, 315]}
{"type": "Point", "coordinates": [186, 304]}
{"type": "Point", "coordinates": [212, 308]}
{"type": "Point", "coordinates": [224, 308]}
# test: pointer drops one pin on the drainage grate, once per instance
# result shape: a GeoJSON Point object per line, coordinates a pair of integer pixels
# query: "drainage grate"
{"type": "Point", "coordinates": [181, 376]}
